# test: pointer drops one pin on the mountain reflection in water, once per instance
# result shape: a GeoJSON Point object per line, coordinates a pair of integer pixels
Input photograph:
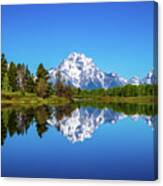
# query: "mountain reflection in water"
{"type": "Point", "coordinates": [76, 123]}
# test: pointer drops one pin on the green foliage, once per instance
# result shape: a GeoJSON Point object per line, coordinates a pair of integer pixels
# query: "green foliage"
{"type": "Point", "coordinates": [15, 121]}
{"type": "Point", "coordinates": [30, 84]}
{"type": "Point", "coordinates": [42, 88]}
{"type": "Point", "coordinates": [63, 90]}
{"type": "Point", "coordinates": [41, 72]}
{"type": "Point", "coordinates": [5, 83]}
{"type": "Point", "coordinates": [3, 67]}
{"type": "Point", "coordinates": [41, 115]}
{"type": "Point", "coordinates": [133, 91]}
{"type": "Point", "coordinates": [124, 91]}
{"type": "Point", "coordinates": [12, 74]}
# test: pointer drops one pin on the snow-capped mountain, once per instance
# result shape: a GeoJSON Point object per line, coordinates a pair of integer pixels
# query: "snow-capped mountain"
{"type": "Point", "coordinates": [81, 72]}
{"type": "Point", "coordinates": [151, 78]}
{"type": "Point", "coordinates": [134, 81]}
{"type": "Point", "coordinates": [113, 80]}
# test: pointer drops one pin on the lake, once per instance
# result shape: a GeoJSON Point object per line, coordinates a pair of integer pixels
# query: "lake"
{"type": "Point", "coordinates": [84, 142]}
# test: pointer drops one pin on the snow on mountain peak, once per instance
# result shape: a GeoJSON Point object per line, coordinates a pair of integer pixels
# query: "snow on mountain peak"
{"type": "Point", "coordinates": [80, 71]}
{"type": "Point", "coordinates": [76, 59]}
{"type": "Point", "coordinates": [150, 78]}
{"type": "Point", "coordinates": [135, 80]}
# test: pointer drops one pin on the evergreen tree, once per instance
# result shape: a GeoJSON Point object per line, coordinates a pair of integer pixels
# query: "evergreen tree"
{"type": "Point", "coordinates": [42, 88]}
{"type": "Point", "coordinates": [12, 74]}
{"type": "Point", "coordinates": [5, 83]}
{"type": "Point", "coordinates": [3, 67]}
{"type": "Point", "coordinates": [42, 85]}
{"type": "Point", "coordinates": [63, 90]}
{"type": "Point", "coordinates": [30, 84]}
{"type": "Point", "coordinates": [41, 72]}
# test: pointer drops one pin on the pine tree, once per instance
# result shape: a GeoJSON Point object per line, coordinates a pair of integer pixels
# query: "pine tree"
{"type": "Point", "coordinates": [12, 74]}
{"type": "Point", "coordinates": [30, 84]}
{"type": "Point", "coordinates": [42, 88]}
{"type": "Point", "coordinates": [41, 72]}
{"type": "Point", "coordinates": [5, 83]}
{"type": "Point", "coordinates": [3, 67]}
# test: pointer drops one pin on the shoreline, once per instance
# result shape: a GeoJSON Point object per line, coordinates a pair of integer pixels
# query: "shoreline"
{"type": "Point", "coordinates": [16, 98]}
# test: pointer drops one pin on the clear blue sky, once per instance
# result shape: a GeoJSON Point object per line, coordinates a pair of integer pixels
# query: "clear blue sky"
{"type": "Point", "coordinates": [118, 36]}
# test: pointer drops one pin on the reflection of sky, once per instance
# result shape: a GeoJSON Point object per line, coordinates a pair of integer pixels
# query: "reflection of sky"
{"type": "Point", "coordinates": [121, 151]}
{"type": "Point", "coordinates": [118, 36]}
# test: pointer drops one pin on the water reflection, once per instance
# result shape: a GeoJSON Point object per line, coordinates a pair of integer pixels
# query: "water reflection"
{"type": "Point", "coordinates": [85, 120]}
{"type": "Point", "coordinates": [75, 122]}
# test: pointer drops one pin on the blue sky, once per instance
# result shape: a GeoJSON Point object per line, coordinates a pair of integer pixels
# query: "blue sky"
{"type": "Point", "coordinates": [118, 36]}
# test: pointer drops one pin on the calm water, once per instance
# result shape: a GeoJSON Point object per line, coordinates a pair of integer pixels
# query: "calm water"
{"type": "Point", "coordinates": [79, 142]}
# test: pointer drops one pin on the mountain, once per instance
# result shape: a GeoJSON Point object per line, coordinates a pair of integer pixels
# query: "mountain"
{"type": "Point", "coordinates": [134, 81]}
{"type": "Point", "coordinates": [80, 71]}
{"type": "Point", "coordinates": [150, 78]}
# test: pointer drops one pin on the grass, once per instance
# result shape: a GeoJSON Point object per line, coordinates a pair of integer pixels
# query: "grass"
{"type": "Point", "coordinates": [129, 105]}
{"type": "Point", "coordinates": [15, 98]}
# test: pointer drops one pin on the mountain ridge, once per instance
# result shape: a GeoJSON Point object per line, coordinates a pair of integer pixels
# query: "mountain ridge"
{"type": "Point", "coordinates": [81, 72]}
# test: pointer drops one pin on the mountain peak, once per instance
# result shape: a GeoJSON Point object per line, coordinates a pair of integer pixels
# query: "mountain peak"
{"type": "Point", "coordinates": [79, 58]}
{"type": "Point", "coordinates": [80, 71]}
{"type": "Point", "coordinates": [150, 78]}
{"type": "Point", "coordinates": [75, 55]}
{"type": "Point", "coordinates": [135, 80]}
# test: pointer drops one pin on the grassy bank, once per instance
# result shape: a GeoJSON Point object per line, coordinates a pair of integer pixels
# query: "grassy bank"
{"type": "Point", "coordinates": [31, 99]}
{"type": "Point", "coordinates": [17, 98]}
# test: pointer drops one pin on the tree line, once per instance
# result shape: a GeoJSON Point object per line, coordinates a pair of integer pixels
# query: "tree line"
{"type": "Point", "coordinates": [123, 91]}
{"type": "Point", "coordinates": [15, 77]}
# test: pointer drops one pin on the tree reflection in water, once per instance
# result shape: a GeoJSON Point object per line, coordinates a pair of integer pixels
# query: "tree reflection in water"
{"type": "Point", "coordinates": [83, 119]}
{"type": "Point", "coordinates": [41, 115]}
